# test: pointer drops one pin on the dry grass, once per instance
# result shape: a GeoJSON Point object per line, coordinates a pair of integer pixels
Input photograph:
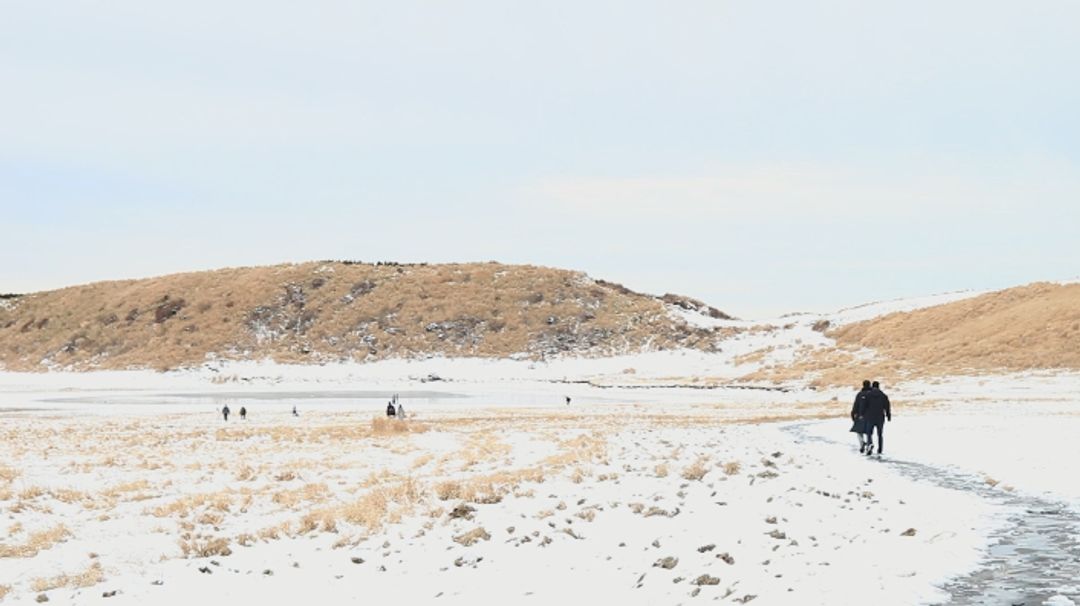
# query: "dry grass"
{"type": "Point", "coordinates": [383, 425]}
{"type": "Point", "coordinates": [732, 468]}
{"type": "Point", "coordinates": [186, 505]}
{"type": "Point", "coordinates": [696, 471]}
{"type": "Point", "coordinates": [205, 547]}
{"type": "Point", "coordinates": [473, 536]}
{"type": "Point", "coordinates": [661, 470]}
{"type": "Point", "coordinates": [36, 542]}
{"type": "Point", "coordinates": [87, 578]}
{"type": "Point", "coordinates": [4, 590]}
{"type": "Point", "coordinates": [328, 311]}
{"type": "Point", "coordinates": [309, 493]}
{"type": "Point", "coordinates": [1030, 327]}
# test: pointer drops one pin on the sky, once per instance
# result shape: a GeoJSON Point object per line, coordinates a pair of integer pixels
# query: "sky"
{"type": "Point", "coordinates": [764, 156]}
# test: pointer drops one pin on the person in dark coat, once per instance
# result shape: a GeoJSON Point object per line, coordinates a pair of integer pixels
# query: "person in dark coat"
{"type": "Point", "coordinates": [877, 410]}
{"type": "Point", "coordinates": [390, 408]}
{"type": "Point", "coordinates": [225, 412]}
{"type": "Point", "coordinates": [243, 413]}
{"type": "Point", "coordinates": [858, 422]}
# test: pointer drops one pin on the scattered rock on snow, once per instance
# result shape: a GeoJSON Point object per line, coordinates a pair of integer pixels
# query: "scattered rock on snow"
{"type": "Point", "coordinates": [704, 548]}
{"type": "Point", "coordinates": [474, 535]}
{"type": "Point", "coordinates": [705, 580]}
{"type": "Point", "coordinates": [666, 563]}
{"type": "Point", "coordinates": [462, 510]}
{"type": "Point", "coordinates": [910, 532]}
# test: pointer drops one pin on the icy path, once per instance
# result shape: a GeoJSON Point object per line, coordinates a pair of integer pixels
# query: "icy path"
{"type": "Point", "coordinates": [1036, 556]}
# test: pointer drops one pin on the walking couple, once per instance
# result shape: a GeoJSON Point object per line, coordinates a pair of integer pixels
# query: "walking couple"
{"type": "Point", "coordinates": [869, 412]}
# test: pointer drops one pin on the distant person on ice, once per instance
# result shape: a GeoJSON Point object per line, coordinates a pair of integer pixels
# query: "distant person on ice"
{"type": "Point", "coordinates": [225, 412]}
{"type": "Point", "coordinates": [294, 413]}
{"type": "Point", "coordinates": [567, 400]}
{"type": "Point", "coordinates": [243, 413]}
{"type": "Point", "coordinates": [390, 408]}
{"type": "Point", "coordinates": [400, 411]}
{"type": "Point", "coordinates": [875, 413]}
{"type": "Point", "coordinates": [858, 421]}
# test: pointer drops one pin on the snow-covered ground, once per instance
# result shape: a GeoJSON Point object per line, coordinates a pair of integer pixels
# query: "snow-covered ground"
{"type": "Point", "coordinates": [107, 478]}
{"type": "Point", "coordinates": [665, 479]}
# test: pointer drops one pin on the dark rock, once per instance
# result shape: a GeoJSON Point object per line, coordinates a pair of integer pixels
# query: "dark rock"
{"type": "Point", "coordinates": [705, 580]}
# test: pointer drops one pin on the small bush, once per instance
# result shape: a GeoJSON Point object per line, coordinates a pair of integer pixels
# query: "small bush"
{"type": "Point", "coordinates": [697, 470]}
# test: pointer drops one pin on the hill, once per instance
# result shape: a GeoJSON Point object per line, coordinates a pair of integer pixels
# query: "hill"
{"type": "Point", "coordinates": [331, 311]}
{"type": "Point", "coordinates": [1029, 327]}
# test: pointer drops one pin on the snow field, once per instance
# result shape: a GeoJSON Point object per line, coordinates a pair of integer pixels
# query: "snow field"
{"type": "Point", "coordinates": [336, 506]}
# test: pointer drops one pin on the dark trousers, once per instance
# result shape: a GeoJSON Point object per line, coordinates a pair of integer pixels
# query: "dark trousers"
{"type": "Point", "coordinates": [871, 425]}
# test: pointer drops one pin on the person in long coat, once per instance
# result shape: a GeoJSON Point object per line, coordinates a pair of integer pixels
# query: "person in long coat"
{"type": "Point", "coordinates": [877, 410]}
{"type": "Point", "coordinates": [858, 422]}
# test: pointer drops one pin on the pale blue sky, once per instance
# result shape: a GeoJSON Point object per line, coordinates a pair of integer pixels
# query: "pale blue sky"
{"type": "Point", "coordinates": [763, 156]}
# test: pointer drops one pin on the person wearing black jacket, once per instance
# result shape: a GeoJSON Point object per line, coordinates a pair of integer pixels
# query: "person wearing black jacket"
{"type": "Point", "coordinates": [858, 424]}
{"type": "Point", "coordinates": [390, 408]}
{"type": "Point", "coordinates": [876, 411]}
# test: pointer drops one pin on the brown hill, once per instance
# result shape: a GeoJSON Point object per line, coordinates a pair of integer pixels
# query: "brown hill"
{"type": "Point", "coordinates": [1029, 327]}
{"type": "Point", "coordinates": [327, 311]}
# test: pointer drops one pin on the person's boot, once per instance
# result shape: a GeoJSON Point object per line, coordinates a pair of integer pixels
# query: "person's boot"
{"type": "Point", "coordinates": [869, 449]}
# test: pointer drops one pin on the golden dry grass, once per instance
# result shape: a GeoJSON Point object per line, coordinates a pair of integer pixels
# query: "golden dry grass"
{"type": "Point", "coordinates": [697, 470]}
{"type": "Point", "coordinates": [4, 590]}
{"type": "Point", "coordinates": [326, 311]}
{"type": "Point", "coordinates": [8, 474]}
{"type": "Point", "coordinates": [87, 578]}
{"type": "Point", "coordinates": [36, 542]}
{"type": "Point", "coordinates": [1029, 327]}
{"type": "Point", "coordinates": [473, 536]}
{"type": "Point", "coordinates": [205, 547]}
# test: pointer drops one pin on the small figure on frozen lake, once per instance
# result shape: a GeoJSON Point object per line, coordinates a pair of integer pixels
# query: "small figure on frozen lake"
{"type": "Point", "coordinates": [400, 411]}
{"type": "Point", "coordinates": [858, 421]}
{"type": "Point", "coordinates": [876, 411]}
{"type": "Point", "coordinates": [243, 413]}
{"type": "Point", "coordinates": [567, 400]}
{"type": "Point", "coordinates": [390, 409]}
{"type": "Point", "coordinates": [225, 412]}
{"type": "Point", "coordinates": [294, 413]}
